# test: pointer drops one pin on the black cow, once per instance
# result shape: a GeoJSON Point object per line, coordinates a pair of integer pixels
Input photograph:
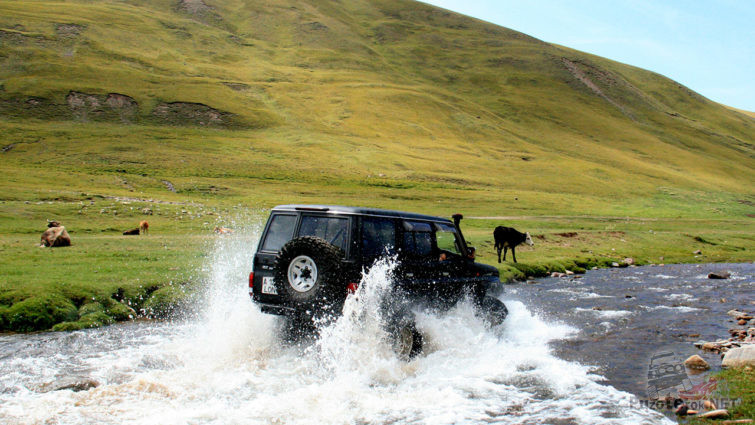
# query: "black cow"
{"type": "Point", "coordinates": [508, 237]}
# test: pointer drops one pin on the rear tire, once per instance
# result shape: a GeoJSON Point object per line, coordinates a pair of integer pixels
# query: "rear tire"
{"type": "Point", "coordinates": [493, 311]}
{"type": "Point", "coordinates": [406, 341]}
{"type": "Point", "coordinates": [308, 275]}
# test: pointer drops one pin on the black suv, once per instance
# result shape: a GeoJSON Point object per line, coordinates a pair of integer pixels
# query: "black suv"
{"type": "Point", "coordinates": [311, 256]}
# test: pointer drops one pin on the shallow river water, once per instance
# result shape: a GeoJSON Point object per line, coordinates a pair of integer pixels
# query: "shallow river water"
{"type": "Point", "coordinates": [226, 365]}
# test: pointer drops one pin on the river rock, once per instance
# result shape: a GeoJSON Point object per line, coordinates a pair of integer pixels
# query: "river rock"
{"type": "Point", "coordinates": [696, 362]}
{"type": "Point", "coordinates": [73, 384]}
{"type": "Point", "coordinates": [739, 314]}
{"type": "Point", "coordinates": [740, 356]}
{"type": "Point", "coordinates": [719, 275]}
{"type": "Point", "coordinates": [714, 414]}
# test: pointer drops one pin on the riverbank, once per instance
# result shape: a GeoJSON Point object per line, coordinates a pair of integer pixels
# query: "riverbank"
{"type": "Point", "coordinates": [107, 277]}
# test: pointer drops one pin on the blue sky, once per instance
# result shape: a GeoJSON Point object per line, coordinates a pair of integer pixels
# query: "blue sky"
{"type": "Point", "coordinates": [706, 45]}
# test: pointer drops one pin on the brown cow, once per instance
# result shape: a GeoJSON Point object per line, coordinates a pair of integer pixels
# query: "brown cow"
{"type": "Point", "coordinates": [144, 227]}
{"type": "Point", "coordinates": [55, 236]}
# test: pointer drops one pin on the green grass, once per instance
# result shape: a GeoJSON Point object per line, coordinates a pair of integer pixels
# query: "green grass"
{"type": "Point", "coordinates": [739, 385]}
{"type": "Point", "coordinates": [384, 103]}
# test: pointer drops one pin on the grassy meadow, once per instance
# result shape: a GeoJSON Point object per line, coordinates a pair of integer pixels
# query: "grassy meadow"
{"type": "Point", "coordinates": [205, 110]}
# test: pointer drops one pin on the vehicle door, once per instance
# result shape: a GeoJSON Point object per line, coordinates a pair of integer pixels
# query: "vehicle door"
{"type": "Point", "coordinates": [453, 268]}
{"type": "Point", "coordinates": [377, 239]}
{"type": "Point", "coordinates": [279, 230]}
{"type": "Point", "coordinates": [418, 261]}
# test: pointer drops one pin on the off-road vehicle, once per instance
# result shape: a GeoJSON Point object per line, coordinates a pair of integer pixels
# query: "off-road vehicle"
{"type": "Point", "coordinates": [311, 256]}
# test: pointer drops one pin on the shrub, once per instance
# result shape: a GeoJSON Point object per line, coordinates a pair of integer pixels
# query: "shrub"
{"type": "Point", "coordinates": [40, 313]}
{"type": "Point", "coordinates": [166, 302]}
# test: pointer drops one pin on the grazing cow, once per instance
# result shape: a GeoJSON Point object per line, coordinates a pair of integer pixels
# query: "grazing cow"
{"type": "Point", "coordinates": [55, 235]}
{"type": "Point", "coordinates": [144, 227]}
{"type": "Point", "coordinates": [131, 232]}
{"type": "Point", "coordinates": [223, 230]}
{"type": "Point", "coordinates": [507, 237]}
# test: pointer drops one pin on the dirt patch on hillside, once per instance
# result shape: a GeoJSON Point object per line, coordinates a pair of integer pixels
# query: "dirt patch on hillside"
{"type": "Point", "coordinates": [110, 107]}
{"type": "Point", "coordinates": [202, 12]}
{"type": "Point", "coordinates": [184, 113]}
{"type": "Point", "coordinates": [69, 30]}
{"type": "Point", "coordinates": [586, 74]}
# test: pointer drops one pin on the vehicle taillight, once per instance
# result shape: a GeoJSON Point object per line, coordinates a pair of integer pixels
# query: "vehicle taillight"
{"type": "Point", "coordinates": [352, 287]}
{"type": "Point", "coordinates": [251, 281]}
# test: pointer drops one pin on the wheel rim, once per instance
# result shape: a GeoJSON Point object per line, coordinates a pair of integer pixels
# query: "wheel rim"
{"type": "Point", "coordinates": [302, 273]}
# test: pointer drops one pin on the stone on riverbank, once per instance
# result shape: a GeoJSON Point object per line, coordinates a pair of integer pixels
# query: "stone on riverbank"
{"type": "Point", "coordinates": [696, 362]}
{"type": "Point", "coordinates": [714, 414]}
{"type": "Point", "coordinates": [740, 357]}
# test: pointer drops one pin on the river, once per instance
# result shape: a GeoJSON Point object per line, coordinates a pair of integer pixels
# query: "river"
{"type": "Point", "coordinates": [554, 360]}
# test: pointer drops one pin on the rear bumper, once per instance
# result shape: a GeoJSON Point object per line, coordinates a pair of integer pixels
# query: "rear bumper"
{"type": "Point", "coordinates": [276, 309]}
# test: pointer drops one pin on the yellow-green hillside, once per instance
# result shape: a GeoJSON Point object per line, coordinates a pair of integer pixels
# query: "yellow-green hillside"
{"type": "Point", "coordinates": [281, 100]}
{"type": "Point", "coordinates": [199, 109]}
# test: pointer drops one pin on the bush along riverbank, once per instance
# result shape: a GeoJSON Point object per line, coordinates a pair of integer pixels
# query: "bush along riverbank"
{"type": "Point", "coordinates": [74, 311]}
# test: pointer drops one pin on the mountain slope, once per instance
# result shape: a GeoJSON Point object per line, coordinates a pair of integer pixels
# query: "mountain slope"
{"type": "Point", "coordinates": [316, 100]}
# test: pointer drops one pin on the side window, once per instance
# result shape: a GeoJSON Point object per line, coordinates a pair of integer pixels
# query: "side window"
{"type": "Point", "coordinates": [418, 239]}
{"type": "Point", "coordinates": [378, 237]}
{"type": "Point", "coordinates": [280, 231]}
{"type": "Point", "coordinates": [334, 230]}
{"type": "Point", "coordinates": [447, 239]}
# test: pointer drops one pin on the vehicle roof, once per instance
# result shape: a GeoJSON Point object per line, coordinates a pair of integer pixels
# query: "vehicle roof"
{"type": "Point", "coordinates": [340, 209]}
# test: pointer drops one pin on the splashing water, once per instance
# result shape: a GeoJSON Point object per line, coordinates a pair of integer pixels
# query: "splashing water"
{"type": "Point", "coordinates": [227, 365]}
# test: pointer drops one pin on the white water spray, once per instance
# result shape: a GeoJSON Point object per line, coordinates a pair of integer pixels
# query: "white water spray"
{"type": "Point", "coordinates": [228, 366]}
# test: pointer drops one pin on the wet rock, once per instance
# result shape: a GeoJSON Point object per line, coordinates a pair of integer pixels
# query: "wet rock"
{"type": "Point", "coordinates": [739, 314]}
{"type": "Point", "coordinates": [73, 384]}
{"type": "Point", "coordinates": [740, 356]}
{"type": "Point", "coordinates": [719, 275]}
{"type": "Point", "coordinates": [714, 414]}
{"type": "Point", "coordinates": [696, 362]}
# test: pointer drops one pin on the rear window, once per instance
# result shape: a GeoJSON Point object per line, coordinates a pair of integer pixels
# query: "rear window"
{"type": "Point", "coordinates": [335, 230]}
{"type": "Point", "coordinates": [280, 231]}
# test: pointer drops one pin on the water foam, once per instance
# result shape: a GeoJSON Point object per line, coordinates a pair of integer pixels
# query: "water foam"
{"type": "Point", "coordinates": [226, 365]}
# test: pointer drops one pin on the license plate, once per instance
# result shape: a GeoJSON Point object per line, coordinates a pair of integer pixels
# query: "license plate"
{"type": "Point", "coordinates": [268, 287]}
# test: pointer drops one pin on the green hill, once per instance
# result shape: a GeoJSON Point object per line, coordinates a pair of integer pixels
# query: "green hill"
{"type": "Point", "coordinates": [193, 107]}
{"type": "Point", "coordinates": [397, 98]}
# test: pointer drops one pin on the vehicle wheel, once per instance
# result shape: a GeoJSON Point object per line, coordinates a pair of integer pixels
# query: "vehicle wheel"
{"type": "Point", "coordinates": [308, 274]}
{"type": "Point", "coordinates": [493, 311]}
{"type": "Point", "coordinates": [406, 340]}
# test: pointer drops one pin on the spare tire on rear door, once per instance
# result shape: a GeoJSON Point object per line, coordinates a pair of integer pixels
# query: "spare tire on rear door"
{"type": "Point", "coordinates": [308, 274]}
